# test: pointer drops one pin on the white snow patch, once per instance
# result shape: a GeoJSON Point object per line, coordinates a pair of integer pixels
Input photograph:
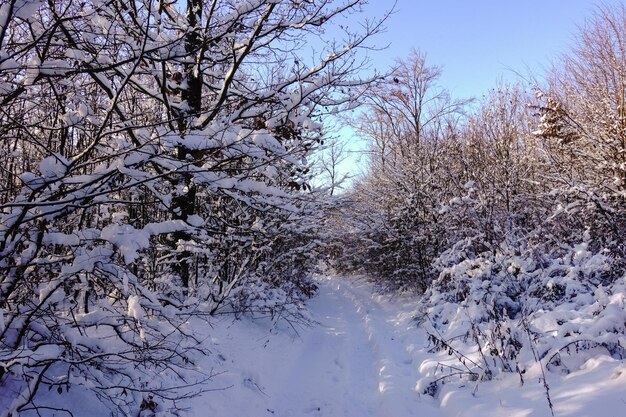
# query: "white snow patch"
{"type": "Point", "coordinates": [134, 308]}
{"type": "Point", "coordinates": [363, 355]}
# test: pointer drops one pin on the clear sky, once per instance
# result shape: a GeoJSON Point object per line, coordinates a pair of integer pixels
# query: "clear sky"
{"type": "Point", "coordinates": [476, 42]}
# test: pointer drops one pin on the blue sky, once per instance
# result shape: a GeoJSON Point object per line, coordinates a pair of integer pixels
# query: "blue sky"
{"type": "Point", "coordinates": [476, 42]}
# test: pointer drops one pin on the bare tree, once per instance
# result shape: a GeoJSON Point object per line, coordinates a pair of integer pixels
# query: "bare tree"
{"type": "Point", "coordinates": [412, 125]}
{"type": "Point", "coordinates": [583, 105]}
{"type": "Point", "coordinates": [335, 153]}
{"type": "Point", "coordinates": [406, 108]}
{"type": "Point", "coordinates": [154, 158]}
{"type": "Point", "coordinates": [583, 127]}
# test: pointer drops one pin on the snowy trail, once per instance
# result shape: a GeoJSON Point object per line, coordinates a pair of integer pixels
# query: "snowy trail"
{"type": "Point", "coordinates": [389, 328]}
{"type": "Point", "coordinates": [335, 366]}
{"type": "Point", "coordinates": [364, 357]}
{"type": "Point", "coordinates": [357, 361]}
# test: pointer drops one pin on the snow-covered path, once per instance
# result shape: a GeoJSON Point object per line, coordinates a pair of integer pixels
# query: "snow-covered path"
{"type": "Point", "coordinates": [356, 362]}
{"type": "Point", "coordinates": [364, 358]}
{"type": "Point", "coordinates": [335, 364]}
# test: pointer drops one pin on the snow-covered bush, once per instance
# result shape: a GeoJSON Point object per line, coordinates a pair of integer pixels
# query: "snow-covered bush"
{"type": "Point", "coordinates": [155, 161]}
{"type": "Point", "coordinates": [508, 216]}
{"type": "Point", "coordinates": [503, 312]}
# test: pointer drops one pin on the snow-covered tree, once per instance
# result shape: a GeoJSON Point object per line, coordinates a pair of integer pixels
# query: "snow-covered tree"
{"type": "Point", "coordinates": [583, 129]}
{"type": "Point", "coordinates": [155, 157]}
{"type": "Point", "coordinates": [411, 125]}
{"type": "Point", "coordinates": [501, 166]}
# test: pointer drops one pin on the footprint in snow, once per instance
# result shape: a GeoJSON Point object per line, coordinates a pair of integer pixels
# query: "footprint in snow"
{"type": "Point", "coordinates": [252, 385]}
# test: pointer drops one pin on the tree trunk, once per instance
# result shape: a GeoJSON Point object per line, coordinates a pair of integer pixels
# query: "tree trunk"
{"type": "Point", "coordinates": [184, 204]}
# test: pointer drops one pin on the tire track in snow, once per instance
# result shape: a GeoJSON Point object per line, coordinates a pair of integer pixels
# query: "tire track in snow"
{"type": "Point", "coordinates": [386, 326]}
{"type": "Point", "coordinates": [334, 373]}
{"type": "Point", "coordinates": [359, 361]}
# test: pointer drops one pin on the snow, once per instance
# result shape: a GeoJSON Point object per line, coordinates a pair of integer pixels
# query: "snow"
{"type": "Point", "coordinates": [56, 238]}
{"type": "Point", "coordinates": [53, 167]}
{"type": "Point", "coordinates": [341, 366]}
{"type": "Point", "coordinates": [26, 9]}
{"type": "Point", "coordinates": [364, 354]}
{"type": "Point", "coordinates": [127, 239]}
{"type": "Point", "coordinates": [134, 307]}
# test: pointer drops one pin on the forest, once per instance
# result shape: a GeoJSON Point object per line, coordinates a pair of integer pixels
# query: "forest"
{"type": "Point", "coordinates": [170, 161]}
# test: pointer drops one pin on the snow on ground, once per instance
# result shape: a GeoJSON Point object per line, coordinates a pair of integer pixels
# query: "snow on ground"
{"type": "Point", "coordinates": [355, 362]}
{"type": "Point", "coordinates": [365, 357]}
